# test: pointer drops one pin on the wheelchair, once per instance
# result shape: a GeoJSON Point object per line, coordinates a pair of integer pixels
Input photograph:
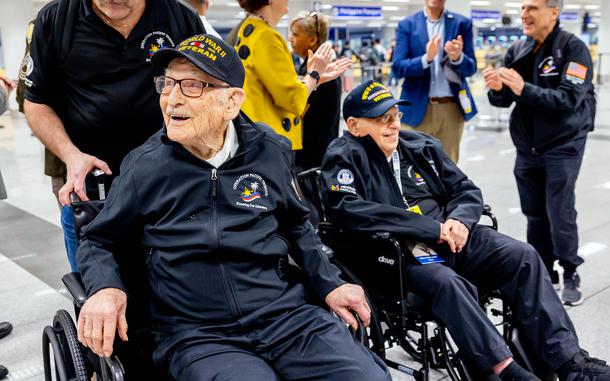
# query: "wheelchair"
{"type": "Point", "coordinates": [398, 315]}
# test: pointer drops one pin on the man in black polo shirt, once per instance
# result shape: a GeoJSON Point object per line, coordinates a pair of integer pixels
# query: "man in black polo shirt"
{"type": "Point", "coordinates": [90, 96]}
{"type": "Point", "coordinates": [89, 93]}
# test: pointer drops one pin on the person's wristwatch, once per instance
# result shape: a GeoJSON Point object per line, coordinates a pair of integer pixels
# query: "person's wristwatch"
{"type": "Point", "coordinates": [315, 75]}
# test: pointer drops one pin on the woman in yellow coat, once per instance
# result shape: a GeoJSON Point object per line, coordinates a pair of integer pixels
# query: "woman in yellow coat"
{"type": "Point", "coordinates": [274, 94]}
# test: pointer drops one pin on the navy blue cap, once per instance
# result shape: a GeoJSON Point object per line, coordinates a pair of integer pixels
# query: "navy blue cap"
{"type": "Point", "coordinates": [369, 100]}
{"type": "Point", "coordinates": [209, 53]}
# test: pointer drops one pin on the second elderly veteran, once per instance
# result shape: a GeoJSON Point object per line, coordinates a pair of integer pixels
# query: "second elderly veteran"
{"type": "Point", "coordinates": [213, 198]}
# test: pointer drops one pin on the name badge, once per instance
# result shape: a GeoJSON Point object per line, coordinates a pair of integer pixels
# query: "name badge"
{"type": "Point", "coordinates": [465, 102]}
{"type": "Point", "coordinates": [424, 254]}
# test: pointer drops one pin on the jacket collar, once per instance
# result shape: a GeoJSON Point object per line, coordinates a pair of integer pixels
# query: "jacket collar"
{"type": "Point", "coordinates": [530, 43]}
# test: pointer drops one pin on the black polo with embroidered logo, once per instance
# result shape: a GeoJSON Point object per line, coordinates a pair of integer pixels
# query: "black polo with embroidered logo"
{"type": "Point", "coordinates": [100, 83]}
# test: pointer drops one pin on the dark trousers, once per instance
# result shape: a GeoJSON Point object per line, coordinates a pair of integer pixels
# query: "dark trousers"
{"type": "Point", "coordinates": [546, 185]}
{"type": "Point", "coordinates": [306, 343]}
{"type": "Point", "coordinates": [491, 261]}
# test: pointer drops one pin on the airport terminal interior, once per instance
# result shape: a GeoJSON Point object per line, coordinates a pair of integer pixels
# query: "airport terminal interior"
{"type": "Point", "coordinates": [32, 252]}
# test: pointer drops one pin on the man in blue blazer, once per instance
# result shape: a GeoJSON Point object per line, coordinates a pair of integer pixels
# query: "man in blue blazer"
{"type": "Point", "coordinates": [434, 54]}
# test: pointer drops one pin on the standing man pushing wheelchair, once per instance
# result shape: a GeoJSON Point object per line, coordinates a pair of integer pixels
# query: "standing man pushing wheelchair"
{"type": "Point", "coordinates": [213, 199]}
{"type": "Point", "coordinates": [377, 178]}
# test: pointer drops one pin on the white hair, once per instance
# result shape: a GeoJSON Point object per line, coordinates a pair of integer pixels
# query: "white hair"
{"type": "Point", "coordinates": [555, 3]}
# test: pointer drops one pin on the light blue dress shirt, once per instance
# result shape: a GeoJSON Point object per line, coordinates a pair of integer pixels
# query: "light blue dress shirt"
{"type": "Point", "coordinates": [439, 86]}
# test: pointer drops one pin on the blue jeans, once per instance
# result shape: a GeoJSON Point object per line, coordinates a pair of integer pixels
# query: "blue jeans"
{"type": "Point", "coordinates": [67, 223]}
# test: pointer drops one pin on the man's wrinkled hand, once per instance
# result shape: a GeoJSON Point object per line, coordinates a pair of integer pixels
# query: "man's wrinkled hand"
{"type": "Point", "coordinates": [78, 166]}
{"type": "Point", "coordinates": [512, 79]}
{"type": "Point", "coordinates": [99, 319]}
{"type": "Point", "coordinates": [349, 298]}
{"type": "Point", "coordinates": [492, 78]}
{"type": "Point", "coordinates": [458, 232]}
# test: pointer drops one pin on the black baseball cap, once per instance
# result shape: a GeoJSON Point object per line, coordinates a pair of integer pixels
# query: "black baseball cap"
{"type": "Point", "coordinates": [209, 53]}
{"type": "Point", "coordinates": [369, 100]}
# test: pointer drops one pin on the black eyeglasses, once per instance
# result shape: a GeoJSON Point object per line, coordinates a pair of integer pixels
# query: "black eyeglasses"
{"type": "Point", "coordinates": [192, 88]}
{"type": "Point", "coordinates": [315, 14]}
{"type": "Point", "coordinates": [389, 118]}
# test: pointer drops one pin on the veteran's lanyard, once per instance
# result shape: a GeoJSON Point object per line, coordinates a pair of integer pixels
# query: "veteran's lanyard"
{"type": "Point", "coordinates": [396, 168]}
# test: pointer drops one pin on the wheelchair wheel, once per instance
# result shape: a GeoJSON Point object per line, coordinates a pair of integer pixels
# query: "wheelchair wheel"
{"type": "Point", "coordinates": [67, 350]}
{"type": "Point", "coordinates": [371, 337]}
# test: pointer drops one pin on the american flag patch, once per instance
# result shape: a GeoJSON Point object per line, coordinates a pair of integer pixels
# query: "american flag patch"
{"type": "Point", "coordinates": [577, 70]}
{"type": "Point", "coordinates": [197, 44]}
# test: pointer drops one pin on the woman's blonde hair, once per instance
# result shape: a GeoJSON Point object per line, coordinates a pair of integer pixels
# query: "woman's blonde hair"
{"type": "Point", "coordinates": [313, 24]}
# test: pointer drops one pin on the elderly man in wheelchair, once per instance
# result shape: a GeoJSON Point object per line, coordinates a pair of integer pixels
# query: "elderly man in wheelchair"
{"type": "Point", "coordinates": [213, 199]}
{"type": "Point", "coordinates": [377, 178]}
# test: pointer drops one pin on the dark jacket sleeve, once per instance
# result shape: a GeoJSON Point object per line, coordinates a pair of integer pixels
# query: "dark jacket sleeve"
{"type": "Point", "coordinates": [306, 248]}
{"type": "Point", "coordinates": [117, 222]}
{"type": "Point", "coordinates": [468, 66]}
{"type": "Point", "coordinates": [465, 200]}
{"type": "Point", "coordinates": [571, 90]}
{"type": "Point", "coordinates": [504, 97]}
{"type": "Point", "coordinates": [351, 207]}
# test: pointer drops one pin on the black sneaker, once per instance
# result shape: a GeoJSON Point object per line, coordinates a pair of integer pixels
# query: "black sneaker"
{"type": "Point", "coordinates": [5, 329]}
{"type": "Point", "coordinates": [584, 368]}
{"type": "Point", "coordinates": [571, 295]}
{"type": "Point", "coordinates": [3, 372]}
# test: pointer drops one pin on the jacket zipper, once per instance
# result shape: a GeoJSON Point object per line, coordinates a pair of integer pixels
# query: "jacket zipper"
{"type": "Point", "coordinates": [226, 279]}
{"type": "Point", "coordinates": [214, 179]}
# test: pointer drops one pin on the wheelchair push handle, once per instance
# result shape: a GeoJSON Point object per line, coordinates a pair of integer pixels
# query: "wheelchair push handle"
{"type": "Point", "coordinates": [99, 177]}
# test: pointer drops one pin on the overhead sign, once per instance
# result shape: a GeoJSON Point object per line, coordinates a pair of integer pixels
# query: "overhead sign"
{"type": "Point", "coordinates": [344, 12]}
{"type": "Point", "coordinates": [485, 15]}
{"type": "Point", "coordinates": [569, 17]}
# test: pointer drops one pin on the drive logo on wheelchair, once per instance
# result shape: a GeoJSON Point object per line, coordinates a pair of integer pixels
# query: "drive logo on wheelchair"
{"type": "Point", "coordinates": [385, 260]}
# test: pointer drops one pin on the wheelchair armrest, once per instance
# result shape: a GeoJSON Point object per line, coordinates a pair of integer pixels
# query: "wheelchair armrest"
{"type": "Point", "coordinates": [488, 213]}
{"type": "Point", "coordinates": [75, 286]}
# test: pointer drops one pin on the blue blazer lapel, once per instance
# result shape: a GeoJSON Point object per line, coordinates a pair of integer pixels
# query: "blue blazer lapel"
{"type": "Point", "coordinates": [450, 28]}
{"type": "Point", "coordinates": [422, 30]}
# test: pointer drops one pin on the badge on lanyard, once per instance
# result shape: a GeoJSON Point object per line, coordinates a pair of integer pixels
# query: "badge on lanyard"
{"type": "Point", "coordinates": [415, 209]}
{"type": "Point", "coordinates": [424, 254]}
{"type": "Point", "coordinates": [465, 102]}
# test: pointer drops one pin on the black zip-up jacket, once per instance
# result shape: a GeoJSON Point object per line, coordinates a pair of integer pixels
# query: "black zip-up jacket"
{"type": "Point", "coordinates": [373, 202]}
{"type": "Point", "coordinates": [213, 237]}
{"type": "Point", "coordinates": [559, 103]}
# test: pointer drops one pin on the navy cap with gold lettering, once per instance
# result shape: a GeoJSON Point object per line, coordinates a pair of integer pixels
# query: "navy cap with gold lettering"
{"type": "Point", "coordinates": [209, 53]}
{"type": "Point", "coordinates": [369, 100]}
